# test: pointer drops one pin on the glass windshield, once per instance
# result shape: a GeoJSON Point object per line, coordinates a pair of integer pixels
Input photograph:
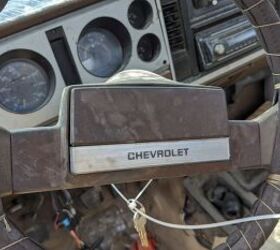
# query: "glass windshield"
{"type": "Point", "coordinates": [19, 8]}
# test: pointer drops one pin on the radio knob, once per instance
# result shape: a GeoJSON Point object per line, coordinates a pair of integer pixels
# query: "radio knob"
{"type": "Point", "coordinates": [220, 49]}
{"type": "Point", "coordinates": [204, 3]}
{"type": "Point", "coordinates": [214, 2]}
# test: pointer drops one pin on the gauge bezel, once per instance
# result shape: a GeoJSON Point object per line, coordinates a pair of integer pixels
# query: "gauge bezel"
{"type": "Point", "coordinates": [156, 43]}
{"type": "Point", "coordinates": [119, 30]}
{"type": "Point", "coordinates": [36, 60]}
{"type": "Point", "coordinates": [149, 12]}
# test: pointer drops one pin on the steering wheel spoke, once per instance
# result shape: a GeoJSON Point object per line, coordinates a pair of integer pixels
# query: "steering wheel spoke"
{"type": "Point", "coordinates": [126, 132]}
{"type": "Point", "coordinates": [252, 141]}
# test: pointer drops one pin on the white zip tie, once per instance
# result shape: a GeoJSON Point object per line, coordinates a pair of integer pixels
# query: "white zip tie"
{"type": "Point", "coordinates": [135, 210]}
{"type": "Point", "coordinates": [143, 190]}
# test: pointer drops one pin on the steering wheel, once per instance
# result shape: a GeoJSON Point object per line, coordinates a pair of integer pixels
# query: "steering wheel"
{"type": "Point", "coordinates": [250, 235]}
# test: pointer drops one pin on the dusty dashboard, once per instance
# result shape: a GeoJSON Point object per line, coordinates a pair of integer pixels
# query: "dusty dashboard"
{"type": "Point", "coordinates": [86, 46]}
{"type": "Point", "coordinates": [84, 42]}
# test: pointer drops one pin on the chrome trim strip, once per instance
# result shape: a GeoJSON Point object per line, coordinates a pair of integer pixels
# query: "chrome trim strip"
{"type": "Point", "coordinates": [94, 159]}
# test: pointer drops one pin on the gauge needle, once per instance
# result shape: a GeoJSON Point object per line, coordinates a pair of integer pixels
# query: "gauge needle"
{"type": "Point", "coordinates": [16, 79]}
{"type": "Point", "coordinates": [85, 49]}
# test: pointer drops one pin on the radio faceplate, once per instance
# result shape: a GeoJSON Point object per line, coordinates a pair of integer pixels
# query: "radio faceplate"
{"type": "Point", "coordinates": [225, 41]}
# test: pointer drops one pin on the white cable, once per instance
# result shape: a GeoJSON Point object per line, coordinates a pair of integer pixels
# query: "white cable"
{"type": "Point", "coordinates": [143, 190]}
{"type": "Point", "coordinates": [208, 226]}
{"type": "Point", "coordinates": [194, 227]}
{"type": "Point", "coordinates": [132, 204]}
{"type": "Point", "coordinates": [119, 193]}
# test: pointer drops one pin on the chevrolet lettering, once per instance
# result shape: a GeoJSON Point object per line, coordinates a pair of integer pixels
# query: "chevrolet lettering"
{"type": "Point", "coordinates": [102, 158]}
{"type": "Point", "coordinates": [183, 152]}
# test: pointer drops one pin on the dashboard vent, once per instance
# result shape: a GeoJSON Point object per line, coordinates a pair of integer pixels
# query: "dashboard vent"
{"type": "Point", "coordinates": [174, 25]}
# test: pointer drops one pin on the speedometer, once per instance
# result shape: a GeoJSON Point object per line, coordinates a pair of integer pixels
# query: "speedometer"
{"type": "Point", "coordinates": [100, 52]}
{"type": "Point", "coordinates": [24, 86]}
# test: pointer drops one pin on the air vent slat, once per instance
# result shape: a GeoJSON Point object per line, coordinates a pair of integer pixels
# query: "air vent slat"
{"type": "Point", "coordinates": [174, 26]}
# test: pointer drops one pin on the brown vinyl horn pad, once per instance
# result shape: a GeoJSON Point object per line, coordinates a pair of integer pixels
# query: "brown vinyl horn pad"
{"type": "Point", "coordinates": [264, 17]}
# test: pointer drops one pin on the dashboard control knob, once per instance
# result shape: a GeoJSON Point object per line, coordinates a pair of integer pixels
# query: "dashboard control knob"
{"type": "Point", "coordinates": [220, 49]}
{"type": "Point", "coordinates": [215, 2]}
{"type": "Point", "coordinates": [204, 3]}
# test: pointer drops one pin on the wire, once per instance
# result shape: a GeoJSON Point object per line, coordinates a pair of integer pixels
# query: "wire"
{"type": "Point", "coordinates": [211, 225]}
{"type": "Point", "coordinates": [143, 190]}
{"type": "Point", "coordinates": [55, 223]}
{"type": "Point", "coordinates": [192, 227]}
{"type": "Point", "coordinates": [77, 239]}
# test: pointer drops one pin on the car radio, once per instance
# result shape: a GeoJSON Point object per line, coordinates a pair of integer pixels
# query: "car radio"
{"type": "Point", "coordinates": [204, 34]}
{"type": "Point", "coordinates": [225, 41]}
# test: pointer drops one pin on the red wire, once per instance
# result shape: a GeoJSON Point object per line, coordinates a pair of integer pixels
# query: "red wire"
{"type": "Point", "coordinates": [76, 238]}
{"type": "Point", "coordinates": [56, 221]}
{"type": "Point", "coordinates": [74, 235]}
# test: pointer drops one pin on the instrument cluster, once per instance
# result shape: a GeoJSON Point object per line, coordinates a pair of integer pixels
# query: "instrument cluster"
{"type": "Point", "coordinates": [86, 46]}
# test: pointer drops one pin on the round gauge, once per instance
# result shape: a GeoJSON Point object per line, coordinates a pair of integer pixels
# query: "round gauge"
{"type": "Point", "coordinates": [100, 52]}
{"type": "Point", "coordinates": [140, 14]}
{"type": "Point", "coordinates": [148, 47]}
{"type": "Point", "coordinates": [24, 86]}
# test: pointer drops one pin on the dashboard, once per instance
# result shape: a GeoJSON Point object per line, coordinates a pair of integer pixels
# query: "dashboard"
{"type": "Point", "coordinates": [86, 42]}
{"type": "Point", "coordinates": [211, 34]}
